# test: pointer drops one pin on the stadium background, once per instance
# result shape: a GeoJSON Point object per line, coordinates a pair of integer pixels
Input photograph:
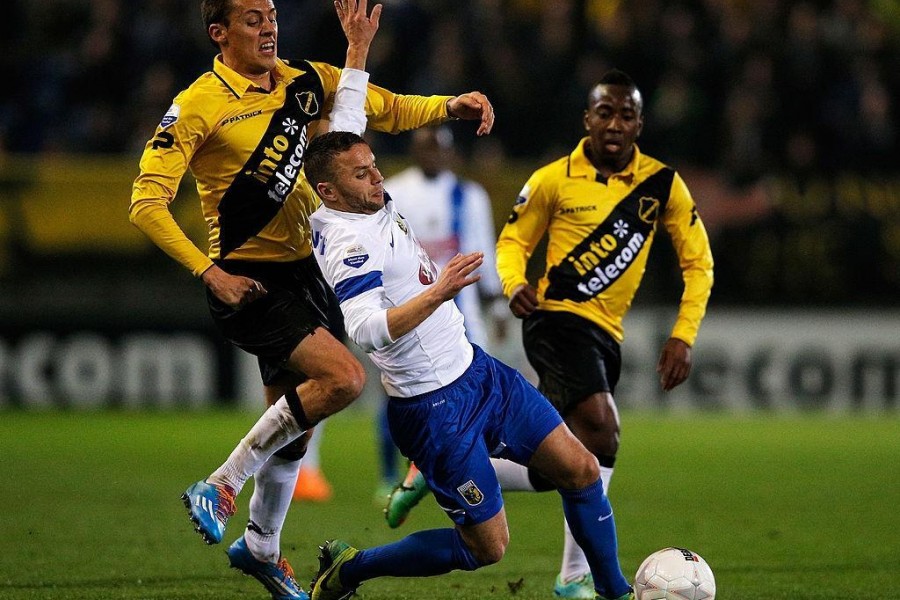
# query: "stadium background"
{"type": "Point", "coordinates": [782, 117]}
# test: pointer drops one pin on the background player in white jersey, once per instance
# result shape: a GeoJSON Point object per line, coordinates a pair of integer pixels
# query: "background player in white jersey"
{"type": "Point", "coordinates": [452, 406]}
{"type": "Point", "coordinates": [450, 215]}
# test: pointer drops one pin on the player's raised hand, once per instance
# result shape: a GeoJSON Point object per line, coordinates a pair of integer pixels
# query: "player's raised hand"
{"type": "Point", "coordinates": [457, 274]}
{"type": "Point", "coordinates": [234, 290]}
{"type": "Point", "coordinates": [360, 27]}
{"type": "Point", "coordinates": [523, 301]}
{"type": "Point", "coordinates": [674, 364]}
{"type": "Point", "coordinates": [473, 106]}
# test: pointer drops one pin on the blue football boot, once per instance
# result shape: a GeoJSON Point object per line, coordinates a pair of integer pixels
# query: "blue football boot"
{"type": "Point", "coordinates": [278, 578]}
{"type": "Point", "coordinates": [209, 507]}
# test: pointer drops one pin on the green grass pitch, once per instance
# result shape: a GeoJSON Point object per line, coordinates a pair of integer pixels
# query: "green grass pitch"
{"type": "Point", "coordinates": [792, 507]}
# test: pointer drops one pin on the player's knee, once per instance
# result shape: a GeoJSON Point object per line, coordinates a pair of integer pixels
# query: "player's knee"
{"type": "Point", "coordinates": [490, 552]}
{"type": "Point", "coordinates": [602, 440]}
{"type": "Point", "coordinates": [583, 469]}
{"type": "Point", "coordinates": [346, 384]}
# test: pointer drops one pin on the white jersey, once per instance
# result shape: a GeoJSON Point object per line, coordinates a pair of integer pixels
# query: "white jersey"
{"type": "Point", "coordinates": [374, 262]}
{"type": "Point", "coordinates": [452, 215]}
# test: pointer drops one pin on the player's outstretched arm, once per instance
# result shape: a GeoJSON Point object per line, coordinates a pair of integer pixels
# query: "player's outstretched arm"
{"type": "Point", "coordinates": [457, 274]}
{"type": "Point", "coordinates": [349, 112]}
{"type": "Point", "coordinates": [473, 106]}
{"type": "Point", "coordinates": [360, 29]}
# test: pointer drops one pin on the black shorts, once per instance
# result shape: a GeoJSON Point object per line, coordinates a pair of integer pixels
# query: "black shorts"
{"type": "Point", "coordinates": [572, 356]}
{"type": "Point", "coordinates": [298, 301]}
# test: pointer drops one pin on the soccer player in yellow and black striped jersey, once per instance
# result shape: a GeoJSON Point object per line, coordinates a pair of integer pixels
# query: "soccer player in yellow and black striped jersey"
{"type": "Point", "coordinates": [242, 130]}
{"type": "Point", "coordinates": [600, 207]}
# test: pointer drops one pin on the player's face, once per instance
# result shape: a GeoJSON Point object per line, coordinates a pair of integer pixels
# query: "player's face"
{"type": "Point", "coordinates": [358, 184]}
{"type": "Point", "coordinates": [613, 121]}
{"type": "Point", "coordinates": [250, 42]}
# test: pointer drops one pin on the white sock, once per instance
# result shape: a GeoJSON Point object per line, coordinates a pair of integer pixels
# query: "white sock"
{"type": "Point", "coordinates": [273, 485]}
{"type": "Point", "coordinates": [606, 477]}
{"type": "Point", "coordinates": [574, 562]}
{"type": "Point", "coordinates": [311, 458]}
{"type": "Point", "coordinates": [513, 477]}
{"type": "Point", "coordinates": [275, 428]}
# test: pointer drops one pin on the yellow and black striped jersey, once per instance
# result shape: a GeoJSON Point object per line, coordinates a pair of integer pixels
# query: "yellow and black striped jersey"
{"type": "Point", "coordinates": [245, 146]}
{"type": "Point", "coordinates": [600, 233]}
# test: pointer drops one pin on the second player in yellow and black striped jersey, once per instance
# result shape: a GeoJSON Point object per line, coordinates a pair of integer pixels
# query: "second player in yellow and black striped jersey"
{"type": "Point", "coordinates": [600, 234]}
{"type": "Point", "coordinates": [244, 146]}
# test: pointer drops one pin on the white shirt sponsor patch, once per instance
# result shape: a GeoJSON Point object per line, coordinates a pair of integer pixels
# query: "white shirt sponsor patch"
{"type": "Point", "coordinates": [356, 256]}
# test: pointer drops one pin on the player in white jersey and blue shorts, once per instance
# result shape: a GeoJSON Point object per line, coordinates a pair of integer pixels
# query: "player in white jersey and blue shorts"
{"type": "Point", "coordinates": [452, 406]}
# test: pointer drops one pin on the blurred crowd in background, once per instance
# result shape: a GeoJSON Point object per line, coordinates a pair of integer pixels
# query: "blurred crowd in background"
{"type": "Point", "coordinates": [783, 116]}
{"type": "Point", "coordinates": [746, 86]}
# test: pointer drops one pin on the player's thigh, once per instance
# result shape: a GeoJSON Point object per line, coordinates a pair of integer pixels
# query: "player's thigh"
{"type": "Point", "coordinates": [564, 460]}
{"type": "Point", "coordinates": [573, 357]}
{"type": "Point", "coordinates": [443, 432]}
{"type": "Point", "coordinates": [321, 356]}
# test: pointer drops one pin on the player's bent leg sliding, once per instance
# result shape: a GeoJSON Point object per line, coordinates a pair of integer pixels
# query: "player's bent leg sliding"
{"type": "Point", "coordinates": [343, 568]}
{"type": "Point", "coordinates": [574, 582]}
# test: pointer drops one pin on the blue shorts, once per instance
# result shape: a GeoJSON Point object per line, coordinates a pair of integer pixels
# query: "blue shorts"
{"type": "Point", "coordinates": [451, 434]}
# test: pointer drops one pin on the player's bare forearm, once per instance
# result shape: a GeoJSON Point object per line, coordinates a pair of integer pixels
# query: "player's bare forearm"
{"type": "Point", "coordinates": [360, 29]}
{"type": "Point", "coordinates": [457, 274]}
{"type": "Point", "coordinates": [674, 364]}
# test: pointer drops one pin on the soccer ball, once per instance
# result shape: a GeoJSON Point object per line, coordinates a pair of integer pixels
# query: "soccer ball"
{"type": "Point", "coordinates": [674, 574]}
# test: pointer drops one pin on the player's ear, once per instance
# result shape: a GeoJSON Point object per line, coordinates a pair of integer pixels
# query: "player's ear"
{"type": "Point", "coordinates": [217, 33]}
{"type": "Point", "coordinates": [587, 126]}
{"type": "Point", "coordinates": [640, 126]}
{"type": "Point", "coordinates": [326, 191]}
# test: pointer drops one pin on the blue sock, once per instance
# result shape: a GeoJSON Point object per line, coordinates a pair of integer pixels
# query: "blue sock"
{"type": "Point", "coordinates": [424, 553]}
{"type": "Point", "coordinates": [591, 520]}
{"type": "Point", "coordinates": [386, 448]}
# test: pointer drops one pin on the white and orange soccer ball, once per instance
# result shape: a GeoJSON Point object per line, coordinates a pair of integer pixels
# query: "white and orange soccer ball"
{"type": "Point", "coordinates": [674, 574]}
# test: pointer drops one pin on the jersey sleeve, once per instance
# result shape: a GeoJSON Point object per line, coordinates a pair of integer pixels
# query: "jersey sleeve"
{"type": "Point", "coordinates": [352, 263]}
{"type": "Point", "coordinates": [525, 227]}
{"type": "Point", "coordinates": [393, 113]}
{"type": "Point", "coordinates": [389, 112]}
{"type": "Point", "coordinates": [349, 112]}
{"type": "Point", "coordinates": [692, 247]}
{"type": "Point", "coordinates": [163, 163]}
